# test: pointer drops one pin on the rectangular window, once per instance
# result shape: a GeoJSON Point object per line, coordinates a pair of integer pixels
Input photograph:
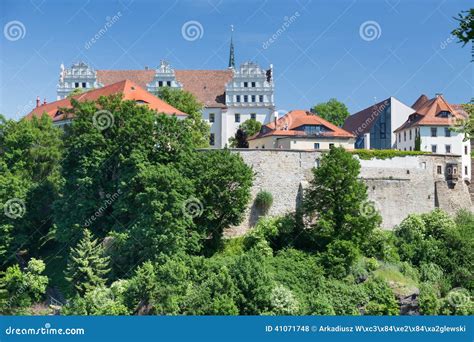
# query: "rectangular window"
{"type": "Point", "coordinates": [237, 117]}
{"type": "Point", "coordinates": [434, 148]}
{"type": "Point", "coordinates": [331, 145]}
{"type": "Point", "coordinates": [253, 98]}
{"type": "Point", "coordinates": [246, 98]}
{"type": "Point", "coordinates": [465, 150]}
{"type": "Point", "coordinates": [410, 134]}
{"type": "Point", "coordinates": [316, 146]}
{"type": "Point", "coordinates": [447, 132]}
{"type": "Point", "coordinates": [76, 85]}
{"type": "Point", "coordinates": [410, 148]}
{"type": "Point", "coordinates": [382, 131]}
{"type": "Point", "coordinates": [246, 84]}
{"type": "Point", "coordinates": [253, 85]}
{"type": "Point", "coordinates": [84, 85]}
{"type": "Point", "coordinates": [465, 170]}
{"type": "Point", "coordinates": [448, 148]}
{"type": "Point", "coordinates": [211, 139]}
{"type": "Point", "coordinates": [237, 98]}
{"type": "Point", "coordinates": [261, 98]}
{"type": "Point", "coordinates": [168, 83]}
{"type": "Point", "coordinates": [439, 170]}
{"type": "Point", "coordinates": [160, 83]}
{"type": "Point", "coordinates": [211, 117]}
{"type": "Point", "coordinates": [253, 116]}
{"type": "Point", "coordinates": [399, 137]}
{"type": "Point", "coordinates": [434, 132]}
{"type": "Point", "coordinates": [405, 136]}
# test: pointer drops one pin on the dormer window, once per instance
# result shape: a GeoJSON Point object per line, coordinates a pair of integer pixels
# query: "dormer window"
{"type": "Point", "coordinates": [444, 114]}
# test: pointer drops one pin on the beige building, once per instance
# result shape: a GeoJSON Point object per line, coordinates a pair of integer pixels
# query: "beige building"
{"type": "Point", "coordinates": [301, 130]}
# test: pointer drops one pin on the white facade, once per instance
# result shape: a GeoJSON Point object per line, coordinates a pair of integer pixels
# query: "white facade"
{"type": "Point", "coordinates": [80, 75]}
{"type": "Point", "coordinates": [438, 140]}
{"type": "Point", "coordinates": [249, 94]}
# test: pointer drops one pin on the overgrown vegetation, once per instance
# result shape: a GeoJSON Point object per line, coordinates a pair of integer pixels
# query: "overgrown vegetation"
{"type": "Point", "coordinates": [385, 154]}
{"type": "Point", "coordinates": [139, 216]}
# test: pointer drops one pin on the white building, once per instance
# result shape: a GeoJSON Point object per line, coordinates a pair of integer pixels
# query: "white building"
{"type": "Point", "coordinates": [430, 129]}
{"type": "Point", "coordinates": [301, 130]}
{"type": "Point", "coordinates": [374, 126]}
{"type": "Point", "coordinates": [229, 96]}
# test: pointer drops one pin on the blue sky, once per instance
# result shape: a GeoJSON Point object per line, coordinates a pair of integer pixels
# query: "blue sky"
{"type": "Point", "coordinates": [321, 54]}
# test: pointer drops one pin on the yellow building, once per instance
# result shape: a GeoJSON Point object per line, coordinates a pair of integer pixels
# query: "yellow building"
{"type": "Point", "coordinates": [301, 130]}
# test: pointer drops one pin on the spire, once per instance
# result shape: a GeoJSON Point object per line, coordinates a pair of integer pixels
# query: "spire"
{"type": "Point", "coordinates": [231, 54]}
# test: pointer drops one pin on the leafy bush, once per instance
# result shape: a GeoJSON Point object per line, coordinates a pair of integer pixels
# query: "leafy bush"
{"type": "Point", "coordinates": [19, 290]}
{"type": "Point", "coordinates": [283, 302]}
{"type": "Point", "coordinates": [264, 201]}
{"type": "Point", "coordinates": [339, 258]}
{"type": "Point", "coordinates": [428, 300]}
{"type": "Point", "coordinates": [381, 298]}
{"type": "Point", "coordinates": [385, 154]}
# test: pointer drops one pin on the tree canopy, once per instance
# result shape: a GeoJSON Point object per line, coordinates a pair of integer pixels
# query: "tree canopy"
{"type": "Point", "coordinates": [334, 111]}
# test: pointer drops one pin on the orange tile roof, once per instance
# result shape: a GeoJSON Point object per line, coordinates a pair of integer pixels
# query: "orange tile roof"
{"type": "Point", "coordinates": [207, 85]}
{"type": "Point", "coordinates": [287, 124]}
{"type": "Point", "coordinates": [427, 113]}
{"type": "Point", "coordinates": [129, 90]}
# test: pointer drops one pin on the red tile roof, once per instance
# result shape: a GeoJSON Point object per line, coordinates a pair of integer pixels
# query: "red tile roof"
{"type": "Point", "coordinates": [129, 90]}
{"type": "Point", "coordinates": [287, 125]}
{"type": "Point", "coordinates": [207, 85]}
{"type": "Point", "coordinates": [427, 113]}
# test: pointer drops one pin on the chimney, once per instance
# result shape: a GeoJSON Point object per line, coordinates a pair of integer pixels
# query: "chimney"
{"type": "Point", "coordinates": [439, 94]}
{"type": "Point", "coordinates": [37, 101]}
{"type": "Point", "coordinates": [146, 67]}
{"type": "Point", "coordinates": [44, 101]}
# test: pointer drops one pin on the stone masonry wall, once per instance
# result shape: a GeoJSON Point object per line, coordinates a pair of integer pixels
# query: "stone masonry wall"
{"type": "Point", "coordinates": [398, 186]}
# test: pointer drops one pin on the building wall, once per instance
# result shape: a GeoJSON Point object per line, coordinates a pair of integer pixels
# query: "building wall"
{"type": "Point", "coordinates": [458, 146]}
{"type": "Point", "coordinates": [293, 143]}
{"type": "Point", "coordinates": [399, 186]}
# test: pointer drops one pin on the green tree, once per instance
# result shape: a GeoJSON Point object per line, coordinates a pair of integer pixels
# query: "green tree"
{"type": "Point", "coordinates": [87, 266]}
{"type": "Point", "coordinates": [189, 104]}
{"type": "Point", "coordinates": [334, 111]}
{"type": "Point", "coordinates": [246, 129]}
{"type": "Point", "coordinates": [465, 31]}
{"type": "Point", "coordinates": [30, 155]}
{"type": "Point", "coordinates": [337, 201]}
{"type": "Point", "coordinates": [103, 157]}
{"type": "Point", "coordinates": [254, 284]}
{"type": "Point", "coordinates": [214, 296]}
{"type": "Point", "coordinates": [211, 172]}
{"type": "Point", "coordinates": [20, 289]}
{"type": "Point", "coordinates": [339, 258]}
